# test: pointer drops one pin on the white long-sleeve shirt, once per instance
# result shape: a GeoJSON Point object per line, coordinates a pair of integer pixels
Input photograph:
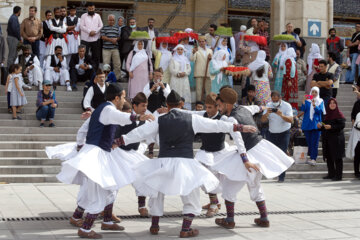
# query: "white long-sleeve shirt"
{"type": "Point", "coordinates": [61, 29]}
{"type": "Point", "coordinates": [148, 92]}
{"type": "Point", "coordinates": [89, 96]}
{"type": "Point", "coordinates": [199, 125]}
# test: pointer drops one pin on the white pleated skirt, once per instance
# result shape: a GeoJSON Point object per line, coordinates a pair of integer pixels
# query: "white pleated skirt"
{"type": "Point", "coordinates": [173, 176]}
{"type": "Point", "coordinates": [209, 158]}
{"type": "Point", "coordinates": [101, 167]}
{"type": "Point", "coordinates": [132, 158]}
{"type": "Point", "coordinates": [73, 43]}
{"type": "Point", "coordinates": [271, 160]}
{"type": "Point", "coordinates": [63, 151]}
{"type": "Point", "coordinates": [50, 48]}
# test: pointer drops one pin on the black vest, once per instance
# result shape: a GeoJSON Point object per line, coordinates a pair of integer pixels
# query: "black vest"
{"type": "Point", "coordinates": [176, 135]}
{"type": "Point", "coordinates": [24, 64]}
{"type": "Point", "coordinates": [99, 96]}
{"type": "Point", "coordinates": [156, 99]}
{"type": "Point", "coordinates": [46, 32]}
{"type": "Point", "coordinates": [53, 62]}
{"type": "Point", "coordinates": [56, 34]}
{"type": "Point", "coordinates": [212, 142]}
{"type": "Point", "coordinates": [123, 130]}
{"type": "Point", "coordinates": [69, 22]}
{"type": "Point", "coordinates": [244, 116]}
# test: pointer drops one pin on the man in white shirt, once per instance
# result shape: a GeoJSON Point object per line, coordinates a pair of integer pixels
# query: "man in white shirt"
{"type": "Point", "coordinates": [31, 66]}
{"type": "Point", "coordinates": [96, 93]}
{"type": "Point", "coordinates": [156, 92]}
{"type": "Point", "coordinates": [56, 69]}
{"type": "Point", "coordinates": [280, 116]}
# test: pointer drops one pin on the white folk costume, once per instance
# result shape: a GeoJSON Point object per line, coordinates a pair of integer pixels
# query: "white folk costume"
{"type": "Point", "coordinates": [35, 75]}
{"type": "Point", "coordinates": [69, 150]}
{"type": "Point", "coordinates": [55, 77]}
{"type": "Point", "coordinates": [57, 37]}
{"type": "Point", "coordinates": [73, 37]}
{"type": "Point", "coordinates": [44, 41]}
{"type": "Point", "coordinates": [97, 169]}
{"type": "Point", "coordinates": [175, 160]}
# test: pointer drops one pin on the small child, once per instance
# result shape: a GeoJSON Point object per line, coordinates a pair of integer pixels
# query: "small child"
{"type": "Point", "coordinates": [17, 96]}
{"type": "Point", "coordinates": [8, 87]}
{"type": "Point", "coordinates": [199, 106]}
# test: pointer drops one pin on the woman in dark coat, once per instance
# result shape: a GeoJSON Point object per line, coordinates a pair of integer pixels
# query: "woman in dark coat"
{"type": "Point", "coordinates": [334, 140]}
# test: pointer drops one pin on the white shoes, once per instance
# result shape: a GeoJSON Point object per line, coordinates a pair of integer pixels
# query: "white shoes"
{"type": "Point", "coordinates": [312, 162]}
{"type": "Point", "coordinates": [68, 88]}
{"type": "Point", "coordinates": [27, 87]}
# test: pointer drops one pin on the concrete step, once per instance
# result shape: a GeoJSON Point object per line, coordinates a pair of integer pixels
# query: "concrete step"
{"type": "Point", "coordinates": [33, 123]}
{"type": "Point", "coordinates": [29, 169]}
{"type": "Point", "coordinates": [28, 145]}
{"type": "Point", "coordinates": [315, 175]}
{"type": "Point", "coordinates": [28, 178]}
{"type": "Point", "coordinates": [37, 130]}
{"type": "Point", "coordinates": [21, 153]}
{"type": "Point", "coordinates": [39, 137]}
{"type": "Point", "coordinates": [347, 166]}
{"type": "Point", "coordinates": [24, 161]}
{"type": "Point", "coordinates": [32, 116]}
{"type": "Point", "coordinates": [32, 105]}
{"type": "Point", "coordinates": [30, 99]}
{"type": "Point", "coordinates": [61, 110]}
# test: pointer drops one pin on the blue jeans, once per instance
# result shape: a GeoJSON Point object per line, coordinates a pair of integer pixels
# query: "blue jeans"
{"type": "Point", "coordinates": [353, 67]}
{"type": "Point", "coordinates": [35, 46]}
{"type": "Point", "coordinates": [281, 140]}
{"type": "Point", "coordinates": [312, 139]}
{"type": "Point", "coordinates": [45, 113]}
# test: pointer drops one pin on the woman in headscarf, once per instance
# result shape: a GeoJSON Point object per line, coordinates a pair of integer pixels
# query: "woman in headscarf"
{"type": "Point", "coordinates": [290, 80]}
{"type": "Point", "coordinates": [140, 69]}
{"type": "Point", "coordinates": [313, 108]}
{"type": "Point", "coordinates": [180, 69]}
{"type": "Point", "coordinates": [216, 68]}
{"type": "Point", "coordinates": [333, 140]}
{"type": "Point", "coordinates": [162, 59]}
{"type": "Point", "coordinates": [260, 74]}
{"type": "Point", "coordinates": [313, 62]}
{"type": "Point", "coordinates": [230, 55]}
{"type": "Point", "coordinates": [279, 66]}
{"type": "Point", "coordinates": [189, 45]}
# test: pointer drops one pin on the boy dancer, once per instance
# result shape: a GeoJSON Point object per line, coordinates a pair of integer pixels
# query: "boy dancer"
{"type": "Point", "coordinates": [96, 169]}
{"type": "Point", "coordinates": [130, 153]}
{"type": "Point", "coordinates": [175, 172]}
{"type": "Point", "coordinates": [268, 158]}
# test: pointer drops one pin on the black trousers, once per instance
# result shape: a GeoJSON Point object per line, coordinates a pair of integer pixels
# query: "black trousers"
{"type": "Point", "coordinates": [335, 166]}
{"type": "Point", "coordinates": [357, 159]}
{"type": "Point", "coordinates": [75, 77]}
{"type": "Point", "coordinates": [334, 92]}
{"type": "Point", "coordinates": [95, 52]}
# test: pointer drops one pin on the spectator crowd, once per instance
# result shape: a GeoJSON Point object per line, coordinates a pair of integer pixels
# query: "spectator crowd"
{"type": "Point", "coordinates": [66, 49]}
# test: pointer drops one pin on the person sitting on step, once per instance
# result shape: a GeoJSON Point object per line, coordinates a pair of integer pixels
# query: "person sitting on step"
{"type": "Point", "coordinates": [56, 69]}
{"type": "Point", "coordinates": [46, 104]}
{"type": "Point", "coordinates": [95, 95]}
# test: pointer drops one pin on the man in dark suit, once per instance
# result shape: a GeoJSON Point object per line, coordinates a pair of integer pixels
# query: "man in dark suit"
{"type": "Point", "coordinates": [153, 32]}
{"type": "Point", "coordinates": [126, 44]}
{"type": "Point", "coordinates": [81, 68]}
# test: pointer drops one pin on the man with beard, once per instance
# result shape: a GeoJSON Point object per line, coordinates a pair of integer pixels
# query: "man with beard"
{"type": "Point", "coordinates": [31, 30]}
{"type": "Point", "coordinates": [90, 27]}
{"type": "Point", "coordinates": [56, 69]}
{"type": "Point", "coordinates": [44, 38]}
{"type": "Point", "coordinates": [263, 156]}
{"type": "Point", "coordinates": [31, 66]}
{"type": "Point", "coordinates": [72, 33]}
{"type": "Point", "coordinates": [57, 37]}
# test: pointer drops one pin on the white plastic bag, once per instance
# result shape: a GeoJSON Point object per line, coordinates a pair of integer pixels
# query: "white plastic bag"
{"type": "Point", "coordinates": [300, 154]}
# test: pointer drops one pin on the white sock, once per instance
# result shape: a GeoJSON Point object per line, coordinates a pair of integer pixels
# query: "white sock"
{"type": "Point", "coordinates": [84, 230]}
{"type": "Point", "coordinates": [76, 219]}
{"type": "Point", "coordinates": [213, 206]}
{"type": "Point", "coordinates": [108, 223]}
{"type": "Point", "coordinates": [67, 83]}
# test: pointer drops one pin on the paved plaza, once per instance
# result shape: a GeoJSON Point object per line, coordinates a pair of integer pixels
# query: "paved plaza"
{"type": "Point", "coordinates": [298, 210]}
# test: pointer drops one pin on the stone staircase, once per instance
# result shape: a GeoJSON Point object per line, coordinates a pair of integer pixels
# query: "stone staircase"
{"type": "Point", "coordinates": [22, 142]}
